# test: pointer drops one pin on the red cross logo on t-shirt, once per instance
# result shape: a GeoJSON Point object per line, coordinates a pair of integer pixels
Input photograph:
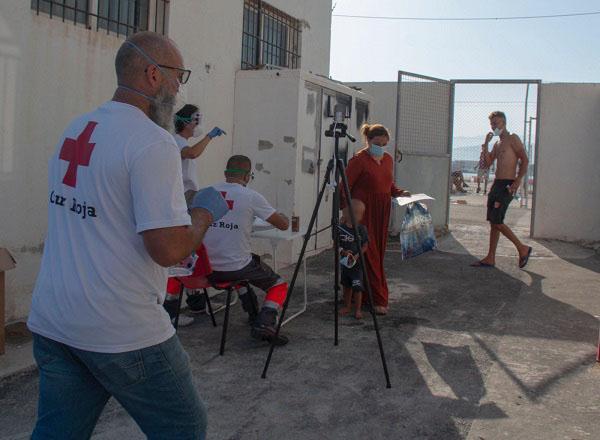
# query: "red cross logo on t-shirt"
{"type": "Point", "coordinates": [229, 202]}
{"type": "Point", "coordinates": [77, 152]}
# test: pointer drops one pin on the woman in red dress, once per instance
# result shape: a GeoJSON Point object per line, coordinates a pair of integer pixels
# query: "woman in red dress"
{"type": "Point", "coordinates": [371, 180]}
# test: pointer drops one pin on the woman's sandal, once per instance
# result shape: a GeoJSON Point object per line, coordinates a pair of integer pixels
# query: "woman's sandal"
{"type": "Point", "coordinates": [380, 310]}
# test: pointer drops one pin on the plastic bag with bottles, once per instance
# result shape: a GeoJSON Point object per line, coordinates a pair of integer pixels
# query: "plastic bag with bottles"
{"type": "Point", "coordinates": [417, 235]}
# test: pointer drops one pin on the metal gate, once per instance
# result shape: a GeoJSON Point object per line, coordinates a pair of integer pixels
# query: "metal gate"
{"type": "Point", "coordinates": [519, 99]}
{"type": "Point", "coordinates": [424, 136]}
{"type": "Point", "coordinates": [426, 132]}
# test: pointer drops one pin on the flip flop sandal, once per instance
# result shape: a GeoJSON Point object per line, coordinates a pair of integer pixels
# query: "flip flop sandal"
{"type": "Point", "coordinates": [524, 260]}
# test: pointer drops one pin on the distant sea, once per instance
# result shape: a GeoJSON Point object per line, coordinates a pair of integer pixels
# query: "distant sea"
{"type": "Point", "coordinates": [466, 151]}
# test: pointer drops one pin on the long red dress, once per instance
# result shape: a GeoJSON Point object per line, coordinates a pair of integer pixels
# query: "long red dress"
{"type": "Point", "coordinates": [373, 184]}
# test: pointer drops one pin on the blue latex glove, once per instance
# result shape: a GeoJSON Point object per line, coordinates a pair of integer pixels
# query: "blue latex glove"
{"type": "Point", "coordinates": [215, 132]}
{"type": "Point", "coordinates": [211, 200]}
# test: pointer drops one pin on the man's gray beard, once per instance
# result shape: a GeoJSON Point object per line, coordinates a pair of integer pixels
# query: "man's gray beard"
{"type": "Point", "coordinates": [161, 110]}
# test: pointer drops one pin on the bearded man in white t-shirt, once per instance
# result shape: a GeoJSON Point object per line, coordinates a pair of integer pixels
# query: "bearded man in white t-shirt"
{"type": "Point", "coordinates": [227, 243]}
{"type": "Point", "coordinates": [117, 218]}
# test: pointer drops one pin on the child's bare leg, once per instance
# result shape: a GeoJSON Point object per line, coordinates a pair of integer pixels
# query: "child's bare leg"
{"type": "Point", "coordinates": [347, 302]}
{"type": "Point", "coordinates": [358, 304]}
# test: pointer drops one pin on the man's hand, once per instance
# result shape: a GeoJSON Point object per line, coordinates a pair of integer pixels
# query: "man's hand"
{"type": "Point", "coordinates": [514, 187]}
{"type": "Point", "coordinates": [405, 193]}
{"type": "Point", "coordinates": [201, 217]}
{"type": "Point", "coordinates": [280, 221]}
{"type": "Point", "coordinates": [488, 139]}
{"type": "Point", "coordinates": [215, 132]}
{"type": "Point", "coordinates": [211, 200]}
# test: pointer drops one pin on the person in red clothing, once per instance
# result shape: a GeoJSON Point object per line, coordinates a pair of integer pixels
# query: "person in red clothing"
{"type": "Point", "coordinates": [371, 180]}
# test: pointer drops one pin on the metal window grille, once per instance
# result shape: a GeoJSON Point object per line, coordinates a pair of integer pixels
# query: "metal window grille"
{"type": "Point", "coordinates": [120, 17]}
{"type": "Point", "coordinates": [270, 37]}
{"type": "Point", "coordinates": [76, 11]}
{"type": "Point", "coordinates": [123, 17]}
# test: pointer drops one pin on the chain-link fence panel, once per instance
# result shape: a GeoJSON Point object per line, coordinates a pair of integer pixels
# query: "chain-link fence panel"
{"type": "Point", "coordinates": [423, 136]}
{"type": "Point", "coordinates": [473, 104]}
{"type": "Point", "coordinates": [423, 114]}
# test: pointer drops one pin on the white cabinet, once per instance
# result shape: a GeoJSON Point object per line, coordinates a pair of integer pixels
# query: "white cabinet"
{"type": "Point", "coordinates": [279, 122]}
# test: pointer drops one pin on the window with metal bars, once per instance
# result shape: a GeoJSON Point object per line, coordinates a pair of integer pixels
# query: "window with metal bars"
{"type": "Point", "coordinates": [270, 37]}
{"type": "Point", "coordinates": [68, 10]}
{"type": "Point", "coordinates": [120, 17]}
{"type": "Point", "coordinates": [123, 17]}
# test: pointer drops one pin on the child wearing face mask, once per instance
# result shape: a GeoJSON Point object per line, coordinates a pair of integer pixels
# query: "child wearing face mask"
{"type": "Point", "coordinates": [352, 274]}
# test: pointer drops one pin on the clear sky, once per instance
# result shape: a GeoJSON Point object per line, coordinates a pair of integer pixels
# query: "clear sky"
{"type": "Point", "coordinates": [552, 49]}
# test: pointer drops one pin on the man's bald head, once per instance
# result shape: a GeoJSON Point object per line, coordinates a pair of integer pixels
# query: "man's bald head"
{"type": "Point", "coordinates": [130, 63]}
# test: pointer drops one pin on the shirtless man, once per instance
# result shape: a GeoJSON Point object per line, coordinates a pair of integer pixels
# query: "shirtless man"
{"type": "Point", "coordinates": [509, 152]}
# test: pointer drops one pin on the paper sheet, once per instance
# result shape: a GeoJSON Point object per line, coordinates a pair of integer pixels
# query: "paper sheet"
{"type": "Point", "coordinates": [260, 225]}
{"type": "Point", "coordinates": [403, 201]}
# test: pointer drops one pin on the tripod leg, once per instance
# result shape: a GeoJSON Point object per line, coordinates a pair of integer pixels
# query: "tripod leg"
{"type": "Point", "coordinates": [335, 221]}
{"type": "Point", "coordinates": [311, 224]}
{"type": "Point", "coordinates": [342, 170]}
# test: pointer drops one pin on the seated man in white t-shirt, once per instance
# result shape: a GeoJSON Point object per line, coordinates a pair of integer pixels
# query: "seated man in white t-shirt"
{"type": "Point", "coordinates": [227, 242]}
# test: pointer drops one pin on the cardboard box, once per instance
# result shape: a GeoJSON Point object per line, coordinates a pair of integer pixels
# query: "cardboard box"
{"type": "Point", "coordinates": [7, 262]}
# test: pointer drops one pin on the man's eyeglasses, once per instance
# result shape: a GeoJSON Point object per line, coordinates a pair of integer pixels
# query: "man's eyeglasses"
{"type": "Point", "coordinates": [183, 75]}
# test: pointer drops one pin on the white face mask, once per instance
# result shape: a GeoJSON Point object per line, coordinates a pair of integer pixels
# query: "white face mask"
{"type": "Point", "coordinates": [197, 131]}
{"type": "Point", "coordinates": [497, 131]}
{"type": "Point", "coordinates": [198, 128]}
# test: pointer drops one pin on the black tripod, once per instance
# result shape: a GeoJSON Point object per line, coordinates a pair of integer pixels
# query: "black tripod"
{"type": "Point", "coordinates": [336, 165]}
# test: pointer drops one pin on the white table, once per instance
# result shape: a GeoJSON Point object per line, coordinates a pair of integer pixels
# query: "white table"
{"type": "Point", "coordinates": [276, 236]}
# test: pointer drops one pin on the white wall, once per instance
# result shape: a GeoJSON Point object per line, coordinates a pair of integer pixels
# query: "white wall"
{"type": "Point", "coordinates": [315, 16]}
{"type": "Point", "coordinates": [279, 125]}
{"type": "Point", "coordinates": [51, 71]}
{"type": "Point", "coordinates": [567, 204]}
{"type": "Point", "coordinates": [209, 33]}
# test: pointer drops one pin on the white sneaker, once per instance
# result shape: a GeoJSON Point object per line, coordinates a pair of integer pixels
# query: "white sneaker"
{"type": "Point", "coordinates": [184, 320]}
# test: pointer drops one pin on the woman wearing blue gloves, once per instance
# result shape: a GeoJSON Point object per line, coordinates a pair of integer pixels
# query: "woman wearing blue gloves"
{"type": "Point", "coordinates": [188, 121]}
{"type": "Point", "coordinates": [187, 125]}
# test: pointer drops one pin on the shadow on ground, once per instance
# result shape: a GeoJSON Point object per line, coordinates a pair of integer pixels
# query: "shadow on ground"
{"type": "Point", "coordinates": [451, 328]}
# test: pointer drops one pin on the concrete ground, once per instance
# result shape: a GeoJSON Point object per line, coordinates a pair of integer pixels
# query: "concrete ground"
{"type": "Point", "coordinates": [473, 354]}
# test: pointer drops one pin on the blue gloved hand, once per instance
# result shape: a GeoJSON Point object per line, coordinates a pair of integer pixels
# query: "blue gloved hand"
{"type": "Point", "coordinates": [211, 200]}
{"type": "Point", "coordinates": [215, 132]}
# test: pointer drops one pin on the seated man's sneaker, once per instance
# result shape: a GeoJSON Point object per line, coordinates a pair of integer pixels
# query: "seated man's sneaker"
{"type": "Point", "coordinates": [170, 306]}
{"type": "Point", "coordinates": [265, 326]}
{"type": "Point", "coordinates": [184, 321]}
{"type": "Point", "coordinates": [196, 303]}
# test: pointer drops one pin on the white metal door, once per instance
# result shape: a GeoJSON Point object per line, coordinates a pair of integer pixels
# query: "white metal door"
{"type": "Point", "coordinates": [329, 99]}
